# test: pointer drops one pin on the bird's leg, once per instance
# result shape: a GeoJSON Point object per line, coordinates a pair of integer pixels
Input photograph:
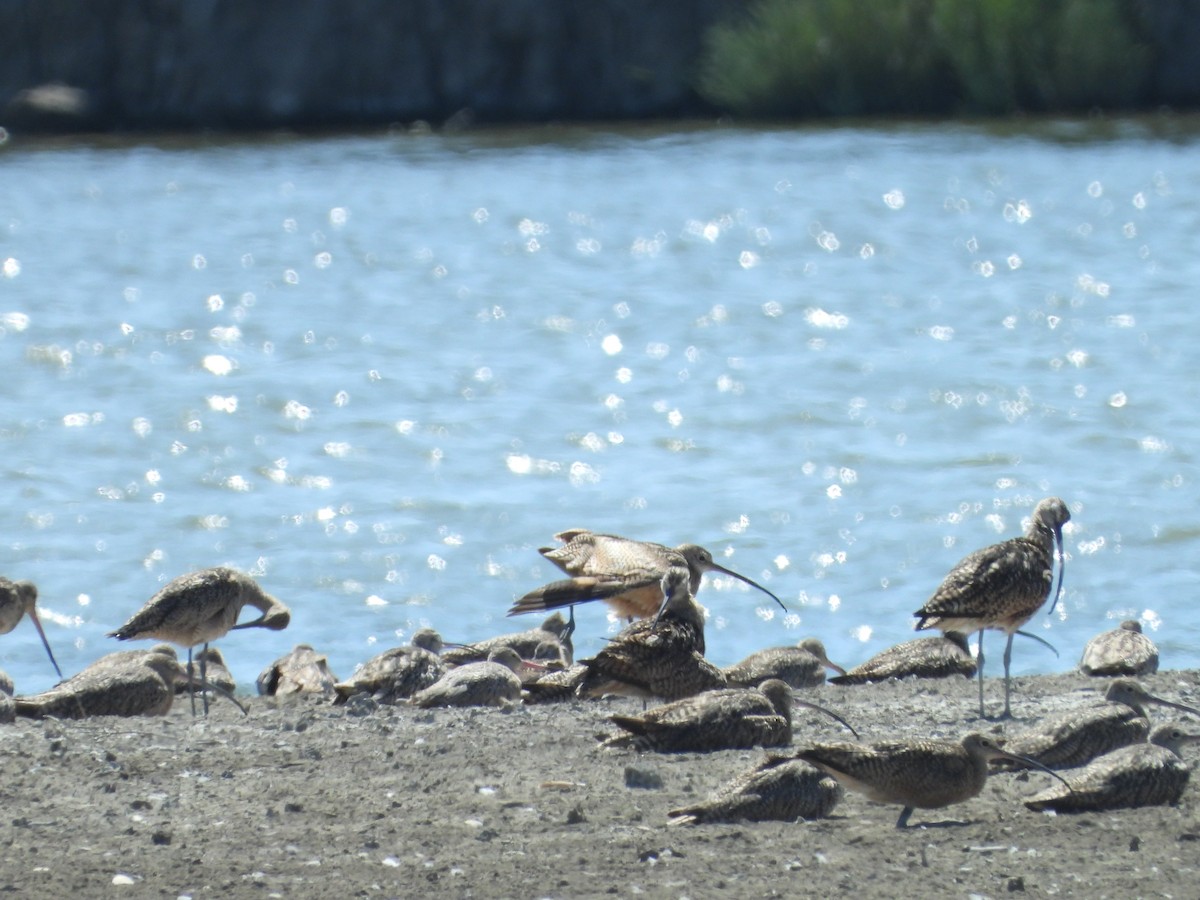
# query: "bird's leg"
{"type": "Point", "coordinates": [191, 681]}
{"type": "Point", "coordinates": [979, 665]}
{"type": "Point", "coordinates": [902, 822]}
{"type": "Point", "coordinates": [204, 677]}
{"type": "Point", "coordinates": [1007, 680]}
{"type": "Point", "coordinates": [570, 625]}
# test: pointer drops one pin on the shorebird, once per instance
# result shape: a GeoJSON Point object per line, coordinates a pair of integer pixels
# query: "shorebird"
{"type": "Point", "coordinates": [801, 666]}
{"type": "Point", "coordinates": [1001, 587]}
{"type": "Point", "coordinates": [555, 628]}
{"type": "Point", "coordinates": [661, 657]}
{"type": "Point", "coordinates": [18, 599]}
{"type": "Point", "coordinates": [1076, 737]}
{"type": "Point", "coordinates": [490, 683]}
{"type": "Point", "coordinates": [624, 573]}
{"type": "Point", "coordinates": [1150, 774]}
{"type": "Point", "coordinates": [1122, 651]}
{"type": "Point", "coordinates": [554, 685]}
{"type": "Point", "coordinates": [397, 673]}
{"type": "Point", "coordinates": [303, 671]}
{"type": "Point", "coordinates": [780, 789]}
{"type": "Point", "coordinates": [931, 657]}
{"type": "Point", "coordinates": [200, 607]}
{"type": "Point", "coordinates": [215, 671]}
{"type": "Point", "coordinates": [728, 719]}
{"type": "Point", "coordinates": [916, 774]}
{"type": "Point", "coordinates": [129, 683]}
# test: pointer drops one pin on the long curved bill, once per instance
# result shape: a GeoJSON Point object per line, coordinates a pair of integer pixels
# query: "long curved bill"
{"type": "Point", "coordinates": [798, 702]}
{"type": "Point", "coordinates": [716, 567]}
{"type": "Point", "coordinates": [45, 643]}
{"type": "Point", "coordinates": [1178, 706]}
{"type": "Point", "coordinates": [1042, 641]}
{"type": "Point", "coordinates": [1033, 764]}
{"type": "Point", "coordinates": [1062, 568]}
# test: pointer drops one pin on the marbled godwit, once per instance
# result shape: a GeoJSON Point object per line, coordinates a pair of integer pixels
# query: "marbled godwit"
{"type": "Point", "coordinates": [1078, 736]}
{"type": "Point", "coordinates": [215, 671]}
{"type": "Point", "coordinates": [1150, 774]}
{"type": "Point", "coordinates": [1001, 587]}
{"type": "Point", "coordinates": [801, 666]}
{"type": "Point", "coordinates": [931, 657]}
{"type": "Point", "coordinates": [200, 607]}
{"type": "Point", "coordinates": [398, 673]}
{"type": "Point", "coordinates": [303, 671]}
{"type": "Point", "coordinates": [1123, 651]}
{"type": "Point", "coordinates": [661, 657]}
{"type": "Point", "coordinates": [490, 683]}
{"type": "Point", "coordinates": [624, 573]}
{"type": "Point", "coordinates": [729, 719]}
{"type": "Point", "coordinates": [130, 683]}
{"type": "Point", "coordinates": [918, 774]}
{"type": "Point", "coordinates": [555, 628]}
{"type": "Point", "coordinates": [779, 789]}
{"type": "Point", "coordinates": [17, 599]}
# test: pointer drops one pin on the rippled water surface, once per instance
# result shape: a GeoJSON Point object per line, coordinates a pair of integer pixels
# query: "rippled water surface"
{"type": "Point", "coordinates": [380, 372]}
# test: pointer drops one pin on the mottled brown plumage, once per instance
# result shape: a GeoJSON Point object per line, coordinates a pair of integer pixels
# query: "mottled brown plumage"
{"type": "Point", "coordinates": [553, 686]}
{"type": "Point", "coordinates": [490, 683]}
{"type": "Point", "coordinates": [1150, 774]}
{"type": "Point", "coordinates": [129, 683]}
{"type": "Point", "coordinates": [1122, 651]}
{"type": "Point", "coordinates": [555, 628]}
{"type": "Point", "coordinates": [216, 672]}
{"type": "Point", "coordinates": [661, 657]}
{"type": "Point", "coordinates": [780, 789]}
{"type": "Point", "coordinates": [916, 774]}
{"type": "Point", "coordinates": [17, 600]}
{"type": "Point", "coordinates": [398, 672]}
{"type": "Point", "coordinates": [624, 573]}
{"type": "Point", "coordinates": [1001, 587]}
{"type": "Point", "coordinates": [728, 719]}
{"type": "Point", "coordinates": [303, 671]}
{"type": "Point", "coordinates": [1076, 737]}
{"type": "Point", "coordinates": [200, 607]}
{"type": "Point", "coordinates": [931, 657]}
{"type": "Point", "coordinates": [801, 666]}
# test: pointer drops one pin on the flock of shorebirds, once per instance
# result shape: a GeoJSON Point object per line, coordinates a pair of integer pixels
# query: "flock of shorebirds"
{"type": "Point", "coordinates": [1103, 755]}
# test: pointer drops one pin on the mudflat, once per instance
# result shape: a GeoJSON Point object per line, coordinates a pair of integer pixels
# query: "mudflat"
{"type": "Point", "coordinates": [300, 798]}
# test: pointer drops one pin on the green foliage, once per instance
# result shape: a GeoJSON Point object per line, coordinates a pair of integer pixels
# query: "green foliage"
{"type": "Point", "coordinates": [856, 57]}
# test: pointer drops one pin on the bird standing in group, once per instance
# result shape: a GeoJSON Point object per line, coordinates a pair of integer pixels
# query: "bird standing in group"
{"type": "Point", "coordinates": [624, 573]}
{"type": "Point", "coordinates": [19, 599]}
{"type": "Point", "coordinates": [1001, 587]}
{"type": "Point", "coordinates": [200, 607]}
{"type": "Point", "coordinates": [1122, 651]}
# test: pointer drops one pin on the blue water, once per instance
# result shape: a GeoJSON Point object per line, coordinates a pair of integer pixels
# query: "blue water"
{"type": "Point", "coordinates": [380, 371]}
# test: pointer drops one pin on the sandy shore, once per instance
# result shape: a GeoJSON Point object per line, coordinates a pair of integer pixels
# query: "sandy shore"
{"type": "Point", "coordinates": [302, 799]}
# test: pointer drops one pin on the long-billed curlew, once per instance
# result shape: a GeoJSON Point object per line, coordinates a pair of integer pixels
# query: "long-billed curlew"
{"type": "Point", "coordinates": [801, 666]}
{"type": "Point", "coordinates": [303, 671]}
{"type": "Point", "coordinates": [490, 683]}
{"type": "Point", "coordinates": [931, 657]}
{"type": "Point", "coordinates": [1150, 774]}
{"type": "Point", "coordinates": [1122, 651]}
{"type": "Point", "coordinates": [399, 672]}
{"type": "Point", "coordinates": [624, 573]}
{"type": "Point", "coordinates": [918, 774]}
{"type": "Point", "coordinates": [661, 657]}
{"type": "Point", "coordinates": [1001, 587]}
{"type": "Point", "coordinates": [200, 607]}
{"type": "Point", "coordinates": [780, 789]}
{"type": "Point", "coordinates": [216, 672]}
{"type": "Point", "coordinates": [728, 719]}
{"type": "Point", "coordinates": [1076, 737]}
{"type": "Point", "coordinates": [129, 683]}
{"type": "Point", "coordinates": [554, 685]}
{"type": "Point", "coordinates": [18, 599]}
{"type": "Point", "coordinates": [554, 628]}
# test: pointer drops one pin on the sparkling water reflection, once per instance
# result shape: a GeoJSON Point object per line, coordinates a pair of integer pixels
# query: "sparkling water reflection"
{"type": "Point", "coordinates": [379, 372]}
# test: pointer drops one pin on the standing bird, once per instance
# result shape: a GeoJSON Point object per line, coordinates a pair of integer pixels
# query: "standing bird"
{"type": "Point", "coordinates": [925, 774]}
{"type": "Point", "coordinates": [200, 607]}
{"type": "Point", "coordinates": [931, 657]}
{"type": "Point", "coordinates": [1076, 737]}
{"type": "Point", "coordinates": [399, 672]}
{"type": "Point", "coordinates": [624, 573]}
{"type": "Point", "coordinates": [1122, 651]}
{"type": "Point", "coordinates": [130, 683]}
{"type": "Point", "coordinates": [802, 666]}
{"type": "Point", "coordinates": [661, 657]}
{"type": "Point", "coordinates": [1150, 774]}
{"type": "Point", "coordinates": [17, 599]}
{"type": "Point", "coordinates": [1001, 587]}
{"type": "Point", "coordinates": [729, 719]}
{"type": "Point", "coordinates": [780, 789]}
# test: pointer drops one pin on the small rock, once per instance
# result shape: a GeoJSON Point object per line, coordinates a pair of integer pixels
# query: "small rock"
{"type": "Point", "coordinates": [1135, 844]}
{"type": "Point", "coordinates": [1016, 885]}
{"type": "Point", "coordinates": [576, 816]}
{"type": "Point", "coordinates": [642, 779]}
